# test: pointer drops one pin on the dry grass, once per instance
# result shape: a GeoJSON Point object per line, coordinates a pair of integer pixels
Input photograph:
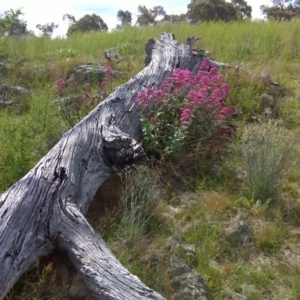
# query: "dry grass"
{"type": "Point", "coordinates": [198, 206]}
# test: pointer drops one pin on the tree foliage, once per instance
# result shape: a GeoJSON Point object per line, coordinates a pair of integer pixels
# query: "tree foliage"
{"type": "Point", "coordinates": [174, 18]}
{"type": "Point", "coordinates": [282, 10]}
{"type": "Point", "coordinates": [11, 24]}
{"type": "Point", "coordinates": [215, 10]}
{"type": "Point", "coordinates": [150, 16]}
{"type": "Point", "coordinates": [47, 29]}
{"type": "Point", "coordinates": [86, 23]}
{"type": "Point", "coordinates": [70, 18]}
{"type": "Point", "coordinates": [243, 9]}
{"type": "Point", "coordinates": [125, 18]}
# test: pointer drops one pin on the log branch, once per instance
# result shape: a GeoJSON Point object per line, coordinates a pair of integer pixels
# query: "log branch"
{"type": "Point", "coordinates": [119, 148]}
{"type": "Point", "coordinates": [101, 271]}
{"type": "Point", "coordinates": [45, 209]}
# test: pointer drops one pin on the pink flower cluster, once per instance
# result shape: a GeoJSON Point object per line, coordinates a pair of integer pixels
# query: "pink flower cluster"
{"type": "Point", "coordinates": [60, 86]}
{"type": "Point", "coordinates": [205, 66]}
{"type": "Point", "coordinates": [108, 76]}
{"type": "Point", "coordinates": [179, 80]}
{"type": "Point", "coordinates": [150, 97]}
{"type": "Point", "coordinates": [206, 89]}
{"type": "Point", "coordinates": [86, 97]}
{"type": "Point", "coordinates": [109, 71]}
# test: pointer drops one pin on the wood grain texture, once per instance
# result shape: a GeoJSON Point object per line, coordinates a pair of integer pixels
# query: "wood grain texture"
{"type": "Point", "coordinates": [45, 209]}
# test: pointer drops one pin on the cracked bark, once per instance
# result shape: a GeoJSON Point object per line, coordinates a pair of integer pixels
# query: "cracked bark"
{"type": "Point", "coordinates": [45, 209]}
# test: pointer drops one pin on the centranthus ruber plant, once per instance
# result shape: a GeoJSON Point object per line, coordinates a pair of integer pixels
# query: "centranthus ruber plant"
{"type": "Point", "coordinates": [184, 111]}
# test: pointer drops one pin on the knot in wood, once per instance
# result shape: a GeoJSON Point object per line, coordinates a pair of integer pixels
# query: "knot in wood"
{"type": "Point", "coordinates": [148, 49]}
{"type": "Point", "coordinates": [121, 150]}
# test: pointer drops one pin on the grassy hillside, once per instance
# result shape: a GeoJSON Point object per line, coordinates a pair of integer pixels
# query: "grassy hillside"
{"type": "Point", "coordinates": [177, 205]}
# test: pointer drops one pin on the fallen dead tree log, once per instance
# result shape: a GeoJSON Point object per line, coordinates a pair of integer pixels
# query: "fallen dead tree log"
{"type": "Point", "coordinates": [45, 209]}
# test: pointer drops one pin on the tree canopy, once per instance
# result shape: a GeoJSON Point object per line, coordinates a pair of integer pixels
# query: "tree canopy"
{"type": "Point", "coordinates": [282, 10]}
{"type": "Point", "coordinates": [243, 9]}
{"type": "Point", "coordinates": [47, 29]}
{"type": "Point", "coordinates": [149, 16]}
{"type": "Point", "coordinates": [124, 17]}
{"type": "Point", "coordinates": [11, 24]}
{"type": "Point", "coordinates": [215, 10]}
{"type": "Point", "coordinates": [174, 18]}
{"type": "Point", "coordinates": [86, 23]}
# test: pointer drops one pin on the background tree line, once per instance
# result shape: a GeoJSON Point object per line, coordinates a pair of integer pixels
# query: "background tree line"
{"type": "Point", "coordinates": [12, 23]}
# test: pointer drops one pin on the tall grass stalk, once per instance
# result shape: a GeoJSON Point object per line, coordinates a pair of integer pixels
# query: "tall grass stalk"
{"type": "Point", "coordinates": [139, 195]}
{"type": "Point", "coordinates": [261, 47]}
{"type": "Point", "coordinates": [269, 155]}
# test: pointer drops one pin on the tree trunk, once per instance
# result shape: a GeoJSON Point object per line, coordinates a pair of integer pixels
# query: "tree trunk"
{"type": "Point", "coordinates": [45, 209]}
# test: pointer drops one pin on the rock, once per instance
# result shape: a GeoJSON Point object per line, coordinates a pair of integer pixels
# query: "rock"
{"type": "Point", "coordinates": [112, 55]}
{"type": "Point", "coordinates": [177, 267]}
{"type": "Point", "coordinates": [189, 250]}
{"type": "Point", "coordinates": [14, 96]}
{"type": "Point", "coordinates": [235, 296]}
{"type": "Point", "coordinates": [188, 285]}
{"type": "Point", "coordinates": [4, 104]}
{"type": "Point", "coordinates": [266, 101]}
{"type": "Point", "coordinates": [265, 79]}
{"type": "Point", "coordinates": [4, 92]}
{"type": "Point", "coordinates": [5, 89]}
{"type": "Point", "coordinates": [171, 244]}
{"type": "Point", "coordinates": [270, 101]}
{"type": "Point", "coordinates": [20, 91]}
{"type": "Point", "coordinates": [174, 210]}
{"type": "Point", "coordinates": [277, 91]}
{"type": "Point", "coordinates": [3, 69]}
{"type": "Point", "coordinates": [89, 72]}
{"type": "Point", "coordinates": [267, 113]}
{"type": "Point", "coordinates": [242, 236]}
{"type": "Point", "coordinates": [190, 294]}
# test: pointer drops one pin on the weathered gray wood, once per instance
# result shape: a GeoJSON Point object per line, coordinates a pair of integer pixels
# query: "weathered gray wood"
{"type": "Point", "coordinates": [46, 208]}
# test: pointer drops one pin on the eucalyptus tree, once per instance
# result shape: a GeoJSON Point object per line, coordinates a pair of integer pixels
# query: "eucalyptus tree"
{"type": "Point", "coordinates": [282, 10]}
{"type": "Point", "coordinates": [85, 24]}
{"type": "Point", "coordinates": [216, 10]}
{"type": "Point", "coordinates": [125, 18]}
{"type": "Point", "coordinates": [150, 16]}
{"type": "Point", "coordinates": [11, 23]}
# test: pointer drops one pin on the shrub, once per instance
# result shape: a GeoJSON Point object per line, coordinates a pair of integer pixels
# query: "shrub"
{"type": "Point", "coordinates": [66, 53]}
{"type": "Point", "coordinates": [269, 154]}
{"type": "Point", "coordinates": [73, 100]}
{"type": "Point", "coordinates": [184, 111]}
{"type": "Point", "coordinates": [269, 236]}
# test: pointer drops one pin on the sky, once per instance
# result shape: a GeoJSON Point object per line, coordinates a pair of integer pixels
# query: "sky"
{"type": "Point", "coordinates": [42, 12]}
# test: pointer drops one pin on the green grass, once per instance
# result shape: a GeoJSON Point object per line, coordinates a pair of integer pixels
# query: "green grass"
{"type": "Point", "coordinates": [199, 215]}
